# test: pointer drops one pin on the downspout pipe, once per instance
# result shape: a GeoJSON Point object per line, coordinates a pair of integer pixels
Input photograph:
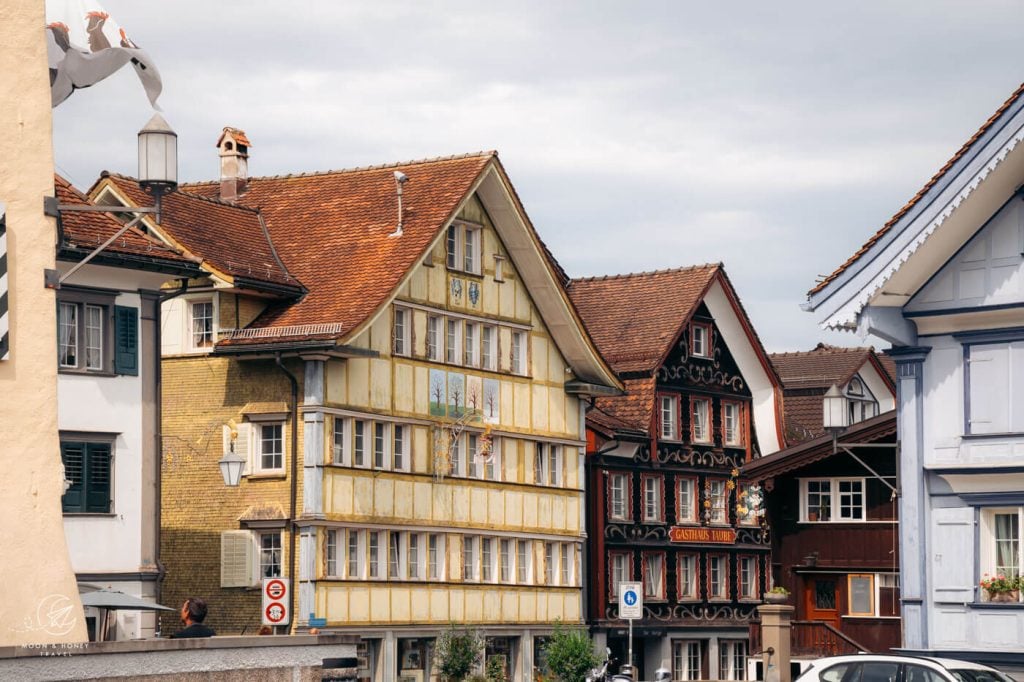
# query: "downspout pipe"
{"type": "Point", "coordinates": [158, 381]}
{"type": "Point", "coordinates": [294, 487]}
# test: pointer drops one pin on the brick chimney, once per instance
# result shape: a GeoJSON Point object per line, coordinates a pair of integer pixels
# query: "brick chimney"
{"type": "Point", "coordinates": [234, 163]}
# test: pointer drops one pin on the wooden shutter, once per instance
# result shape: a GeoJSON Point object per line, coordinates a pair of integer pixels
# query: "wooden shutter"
{"type": "Point", "coordinates": [73, 456]}
{"type": "Point", "coordinates": [236, 558]}
{"type": "Point", "coordinates": [126, 340]}
{"type": "Point", "coordinates": [990, 388]}
{"type": "Point", "coordinates": [952, 555]}
{"type": "Point", "coordinates": [97, 493]}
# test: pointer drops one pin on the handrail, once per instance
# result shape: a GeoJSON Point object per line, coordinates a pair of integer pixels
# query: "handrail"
{"type": "Point", "coordinates": [811, 638]}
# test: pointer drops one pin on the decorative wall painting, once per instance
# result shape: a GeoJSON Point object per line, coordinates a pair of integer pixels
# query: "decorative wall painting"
{"type": "Point", "coordinates": [456, 395]}
{"type": "Point", "coordinates": [492, 401]}
{"type": "Point", "coordinates": [438, 393]}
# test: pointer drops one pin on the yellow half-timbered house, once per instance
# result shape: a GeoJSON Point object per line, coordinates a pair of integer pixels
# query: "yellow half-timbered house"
{"type": "Point", "coordinates": [393, 352]}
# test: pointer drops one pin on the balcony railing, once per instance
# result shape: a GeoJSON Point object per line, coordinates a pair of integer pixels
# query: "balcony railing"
{"type": "Point", "coordinates": [811, 638]}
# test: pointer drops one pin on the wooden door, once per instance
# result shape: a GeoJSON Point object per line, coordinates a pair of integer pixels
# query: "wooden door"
{"type": "Point", "coordinates": [821, 598]}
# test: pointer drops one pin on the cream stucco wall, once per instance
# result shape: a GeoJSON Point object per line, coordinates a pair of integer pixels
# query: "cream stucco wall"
{"type": "Point", "coordinates": [40, 601]}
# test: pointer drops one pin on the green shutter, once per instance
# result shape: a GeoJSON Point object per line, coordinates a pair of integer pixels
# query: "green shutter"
{"type": "Point", "coordinates": [126, 340]}
{"type": "Point", "coordinates": [97, 496]}
{"type": "Point", "coordinates": [73, 455]}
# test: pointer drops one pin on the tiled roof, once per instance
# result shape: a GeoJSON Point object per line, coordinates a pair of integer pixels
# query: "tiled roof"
{"type": "Point", "coordinates": [230, 239]}
{"type": "Point", "coordinates": [332, 229]}
{"type": "Point", "coordinates": [636, 407]}
{"type": "Point", "coordinates": [239, 136]}
{"type": "Point", "coordinates": [819, 368]}
{"type": "Point", "coordinates": [609, 424]}
{"type": "Point", "coordinates": [634, 318]}
{"type": "Point", "coordinates": [924, 190]}
{"type": "Point", "coordinates": [803, 416]}
{"type": "Point", "coordinates": [86, 230]}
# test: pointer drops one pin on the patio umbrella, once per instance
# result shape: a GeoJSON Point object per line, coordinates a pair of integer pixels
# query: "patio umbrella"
{"type": "Point", "coordinates": [113, 600]}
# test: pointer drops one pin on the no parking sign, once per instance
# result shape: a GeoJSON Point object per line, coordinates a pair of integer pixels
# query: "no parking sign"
{"type": "Point", "coordinates": [275, 601]}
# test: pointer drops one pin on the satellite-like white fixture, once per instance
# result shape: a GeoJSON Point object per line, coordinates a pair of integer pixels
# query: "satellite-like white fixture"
{"type": "Point", "coordinates": [400, 179]}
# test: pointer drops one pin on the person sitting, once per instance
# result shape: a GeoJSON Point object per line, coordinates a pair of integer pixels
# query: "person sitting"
{"type": "Point", "coordinates": [193, 613]}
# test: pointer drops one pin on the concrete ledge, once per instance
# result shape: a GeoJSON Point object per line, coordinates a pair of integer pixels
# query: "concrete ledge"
{"type": "Point", "coordinates": [295, 657]}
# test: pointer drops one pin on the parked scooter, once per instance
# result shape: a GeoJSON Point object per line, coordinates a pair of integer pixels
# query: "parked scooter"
{"type": "Point", "coordinates": [625, 674]}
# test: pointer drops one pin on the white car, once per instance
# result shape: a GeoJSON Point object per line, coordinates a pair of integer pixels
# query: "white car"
{"type": "Point", "coordinates": [892, 668]}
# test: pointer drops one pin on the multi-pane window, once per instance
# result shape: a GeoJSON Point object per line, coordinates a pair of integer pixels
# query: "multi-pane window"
{"type": "Point", "coordinates": [618, 497]}
{"type": "Point", "coordinates": [654, 575]}
{"type": "Point", "coordinates": [547, 464]}
{"type": "Point", "coordinates": [456, 461]}
{"type": "Point", "coordinates": [93, 337]}
{"type": "Point", "coordinates": [469, 558]}
{"type": "Point", "coordinates": [453, 347]}
{"type": "Point", "coordinates": [340, 452]}
{"type": "Point", "coordinates": [380, 444]}
{"type": "Point", "coordinates": [270, 447]}
{"type": "Point", "coordinates": [87, 468]}
{"type": "Point", "coordinates": [201, 322]}
{"type": "Point", "coordinates": [472, 347]}
{"type": "Point", "coordinates": [487, 560]}
{"type": "Point", "coordinates": [473, 455]}
{"type": "Point", "coordinates": [549, 563]}
{"type": "Point", "coordinates": [401, 337]}
{"type": "Point", "coordinates": [270, 554]}
{"type": "Point", "coordinates": [355, 540]}
{"type": "Point", "coordinates": [621, 571]}
{"type": "Point", "coordinates": [653, 508]}
{"type": "Point", "coordinates": [505, 560]}
{"type": "Point", "coordinates": [835, 500]}
{"type": "Point", "coordinates": [718, 494]}
{"type": "Point", "coordinates": [435, 342]}
{"type": "Point", "coordinates": [718, 571]}
{"type": "Point", "coordinates": [331, 553]}
{"type": "Point", "coordinates": [414, 556]}
{"type": "Point", "coordinates": [517, 356]}
{"type": "Point", "coordinates": [746, 567]}
{"type": "Point", "coordinates": [700, 426]}
{"type": "Point", "coordinates": [686, 661]}
{"type": "Point", "coordinates": [732, 660]}
{"type": "Point", "coordinates": [686, 502]}
{"type": "Point", "coordinates": [83, 337]}
{"type": "Point", "coordinates": [670, 417]}
{"type": "Point", "coordinates": [435, 556]}
{"type": "Point", "coordinates": [394, 556]}
{"type": "Point", "coordinates": [489, 347]}
{"type": "Point", "coordinates": [1000, 543]}
{"type": "Point", "coordinates": [524, 561]}
{"type": "Point", "coordinates": [67, 343]}
{"type": "Point", "coordinates": [463, 247]}
{"type": "Point", "coordinates": [686, 576]}
{"type": "Point", "coordinates": [364, 443]}
{"type": "Point", "coordinates": [732, 432]}
{"type": "Point", "coordinates": [699, 334]}
{"type": "Point", "coordinates": [373, 553]}
{"type": "Point", "coordinates": [400, 441]}
{"type": "Point", "coordinates": [567, 574]}
{"type": "Point", "coordinates": [359, 454]}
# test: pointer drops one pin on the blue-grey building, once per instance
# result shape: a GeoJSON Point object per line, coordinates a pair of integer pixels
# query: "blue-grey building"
{"type": "Point", "coordinates": [943, 281]}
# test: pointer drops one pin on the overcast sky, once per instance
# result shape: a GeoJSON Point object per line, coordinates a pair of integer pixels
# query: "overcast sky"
{"type": "Point", "coordinates": [772, 136]}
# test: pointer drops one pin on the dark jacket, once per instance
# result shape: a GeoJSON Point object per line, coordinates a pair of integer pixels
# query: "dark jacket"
{"type": "Point", "coordinates": [194, 630]}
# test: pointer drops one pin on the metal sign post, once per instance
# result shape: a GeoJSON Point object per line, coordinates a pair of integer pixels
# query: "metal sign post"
{"type": "Point", "coordinates": [631, 605]}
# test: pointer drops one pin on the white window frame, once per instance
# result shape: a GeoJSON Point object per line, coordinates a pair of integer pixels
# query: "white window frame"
{"type": "Point", "coordinates": [686, 509]}
{"type": "Point", "coordinates": [471, 344]}
{"type": "Point", "coordinates": [837, 499]}
{"type": "Point", "coordinates": [470, 559]}
{"type": "Point", "coordinates": [518, 352]}
{"type": "Point", "coordinates": [732, 659]}
{"type": "Point", "coordinates": [732, 435]}
{"type": "Point", "coordinates": [362, 443]}
{"type": "Point", "coordinates": [988, 539]}
{"type": "Point", "coordinates": [205, 345]}
{"type": "Point", "coordinates": [355, 554]}
{"type": "Point", "coordinates": [401, 333]}
{"type": "Point", "coordinates": [620, 570]}
{"type": "Point", "coordinates": [436, 333]}
{"type": "Point", "coordinates": [463, 247]}
{"type": "Point", "coordinates": [488, 560]}
{"type": "Point", "coordinates": [524, 562]}
{"type": "Point", "coordinates": [719, 497]}
{"type": "Point", "coordinates": [619, 508]}
{"type": "Point", "coordinates": [746, 576]}
{"type": "Point", "coordinates": [506, 561]}
{"type": "Point", "coordinates": [654, 505]}
{"type": "Point", "coordinates": [377, 555]}
{"type": "Point", "coordinates": [700, 337]}
{"type": "Point", "coordinates": [414, 556]}
{"type": "Point", "coordinates": [259, 466]}
{"type": "Point", "coordinates": [265, 560]}
{"type": "Point", "coordinates": [453, 333]}
{"type": "Point", "coordinates": [718, 581]}
{"type": "Point", "coordinates": [400, 437]}
{"type": "Point", "coordinates": [489, 347]}
{"type": "Point", "coordinates": [437, 557]}
{"type": "Point", "coordinates": [686, 590]}
{"type": "Point", "coordinates": [331, 565]}
{"type": "Point", "coordinates": [653, 564]}
{"type": "Point", "coordinates": [700, 420]}
{"type": "Point", "coordinates": [669, 417]}
{"type": "Point", "coordinates": [550, 570]}
{"type": "Point", "coordinates": [567, 565]}
{"type": "Point", "coordinates": [88, 335]}
{"type": "Point", "coordinates": [686, 660]}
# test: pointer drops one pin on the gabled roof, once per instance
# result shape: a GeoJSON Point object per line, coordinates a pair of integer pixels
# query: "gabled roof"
{"type": "Point", "coordinates": [635, 409]}
{"type": "Point", "coordinates": [960, 153]}
{"type": "Point", "coordinates": [901, 256]}
{"type": "Point", "coordinates": [877, 429]}
{"type": "Point", "coordinates": [824, 366]}
{"type": "Point", "coordinates": [84, 231]}
{"type": "Point", "coordinates": [231, 240]}
{"type": "Point", "coordinates": [634, 319]}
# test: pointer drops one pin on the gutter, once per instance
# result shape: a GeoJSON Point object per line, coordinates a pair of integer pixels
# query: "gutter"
{"type": "Point", "coordinates": [270, 351]}
{"type": "Point", "coordinates": [293, 487]}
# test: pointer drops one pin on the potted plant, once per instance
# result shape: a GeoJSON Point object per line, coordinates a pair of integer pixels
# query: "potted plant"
{"type": "Point", "coordinates": [1001, 589]}
{"type": "Point", "coordinates": [776, 595]}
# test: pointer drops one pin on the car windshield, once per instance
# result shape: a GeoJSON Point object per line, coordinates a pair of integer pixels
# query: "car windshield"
{"type": "Point", "coordinates": [976, 675]}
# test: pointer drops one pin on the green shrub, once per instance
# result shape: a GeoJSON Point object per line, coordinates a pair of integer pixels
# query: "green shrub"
{"type": "Point", "coordinates": [570, 653]}
{"type": "Point", "coordinates": [457, 653]}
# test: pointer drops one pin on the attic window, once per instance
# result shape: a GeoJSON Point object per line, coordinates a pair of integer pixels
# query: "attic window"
{"type": "Point", "coordinates": [229, 145]}
{"type": "Point", "coordinates": [463, 246]}
{"type": "Point", "coordinates": [700, 335]}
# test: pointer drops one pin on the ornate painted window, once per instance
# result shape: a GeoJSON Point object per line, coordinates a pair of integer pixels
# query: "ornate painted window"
{"type": "Point", "coordinates": [746, 578]}
{"type": "Point", "coordinates": [686, 500]}
{"type": "Point", "coordinates": [732, 423]}
{"type": "Point", "coordinates": [686, 576]}
{"type": "Point", "coordinates": [718, 576]}
{"type": "Point", "coordinates": [700, 340]}
{"type": "Point", "coordinates": [669, 417]}
{"type": "Point", "coordinates": [618, 497]}
{"type": "Point", "coordinates": [700, 421]}
{"type": "Point", "coordinates": [717, 492]}
{"type": "Point", "coordinates": [654, 508]}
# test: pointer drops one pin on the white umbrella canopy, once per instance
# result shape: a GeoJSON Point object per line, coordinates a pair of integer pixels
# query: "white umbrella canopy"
{"type": "Point", "coordinates": [113, 599]}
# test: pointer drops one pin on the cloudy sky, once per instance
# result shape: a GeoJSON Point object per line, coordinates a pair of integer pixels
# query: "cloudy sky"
{"type": "Point", "coordinates": [772, 136]}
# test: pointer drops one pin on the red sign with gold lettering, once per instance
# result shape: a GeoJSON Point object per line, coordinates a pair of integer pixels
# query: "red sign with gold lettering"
{"type": "Point", "coordinates": [724, 536]}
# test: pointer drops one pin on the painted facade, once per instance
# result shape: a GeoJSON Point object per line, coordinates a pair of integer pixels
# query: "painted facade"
{"type": "Point", "coordinates": [942, 282]}
{"type": "Point", "coordinates": [36, 551]}
{"type": "Point", "coordinates": [431, 455]}
{"type": "Point", "coordinates": [668, 506]}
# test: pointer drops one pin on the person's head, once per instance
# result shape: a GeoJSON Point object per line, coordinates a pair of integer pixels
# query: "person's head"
{"type": "Point", "coordinates": [193, 611]}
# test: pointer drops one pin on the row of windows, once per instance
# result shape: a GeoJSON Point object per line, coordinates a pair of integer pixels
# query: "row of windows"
{"type": "Point", "coordinates": [687, 588]}
{"type": "Point", "coordinates": [700, 420]}
{"type": "Point", "coordinates": [717, 494]}
{"type": "Point", "coordinates": [387, 446]}
{"type": "Point", "coordinates": [463, 342]}
{"type": "Point", "coordinates": [360, 554]}
{"type": "Point", "coordinates": [689, 660]}
{"type": "Point", "coordinates": [832, 500]}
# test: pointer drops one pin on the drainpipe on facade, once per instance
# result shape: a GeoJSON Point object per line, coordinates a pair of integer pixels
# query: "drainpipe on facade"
{"type": "Point", "coordinates": [294, 487]}
{"type": "Point", "coordinates": [158, 381]}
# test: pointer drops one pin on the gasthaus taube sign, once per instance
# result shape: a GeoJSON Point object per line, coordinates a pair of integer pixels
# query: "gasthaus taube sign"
{"type": "Point", "coordinates": [723, 536]}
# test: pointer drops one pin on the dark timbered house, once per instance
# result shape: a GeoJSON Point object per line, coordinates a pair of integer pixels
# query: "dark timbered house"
{"type": "Point", "coordinates": [666, 504]}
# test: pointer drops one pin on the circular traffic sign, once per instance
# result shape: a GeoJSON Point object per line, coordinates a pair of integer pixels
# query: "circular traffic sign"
{"type": "Point", "coordinates": [629, 597]}
{"type": "Point", "coordinates": [275, 589]}
{"type": "Point", "coordinates": [275, 613]}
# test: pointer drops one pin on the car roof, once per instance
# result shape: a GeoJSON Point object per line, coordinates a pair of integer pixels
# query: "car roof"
{"type": "Point", "coordinates": [949, 663]}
